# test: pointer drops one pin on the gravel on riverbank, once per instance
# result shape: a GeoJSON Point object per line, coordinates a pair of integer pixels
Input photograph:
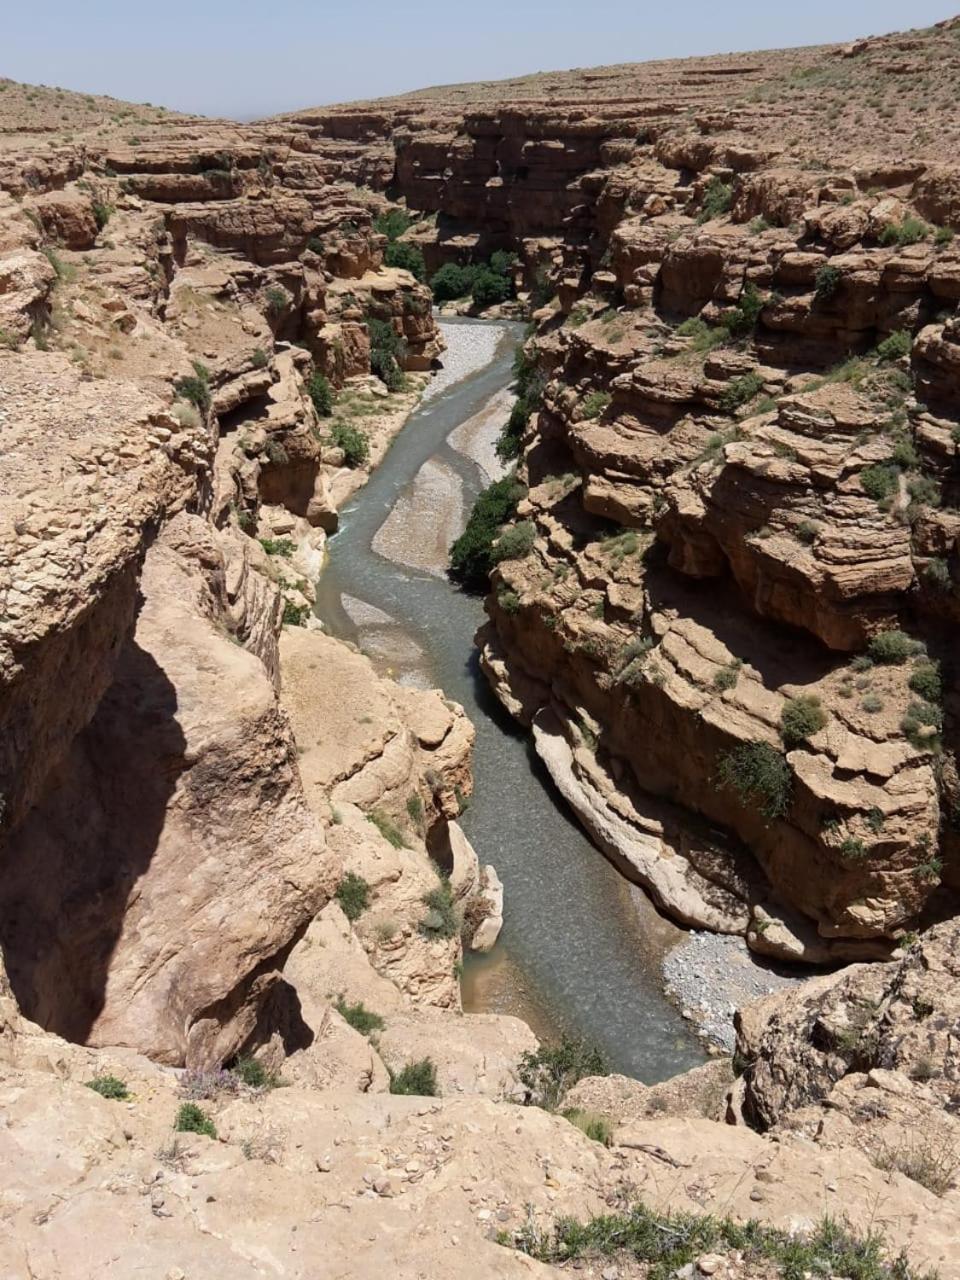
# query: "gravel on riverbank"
{"type": "Point", "coordinates": [711, 975]}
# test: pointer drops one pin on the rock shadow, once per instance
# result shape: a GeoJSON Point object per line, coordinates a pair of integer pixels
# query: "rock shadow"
{"type": "Point", "coordinates": [72, 867]}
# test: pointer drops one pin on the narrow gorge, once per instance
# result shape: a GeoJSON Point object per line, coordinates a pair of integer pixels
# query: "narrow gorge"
{"type": "Point", "coordinates": [451, 547]}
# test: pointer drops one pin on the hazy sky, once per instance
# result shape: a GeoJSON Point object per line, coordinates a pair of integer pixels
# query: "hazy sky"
{"type": "Point", "coordinates": [242, 59]}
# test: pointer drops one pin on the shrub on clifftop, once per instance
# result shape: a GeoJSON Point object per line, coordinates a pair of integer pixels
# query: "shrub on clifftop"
{"type": "Point", "coordinates": [800, 719]}
{"type": "Point", "coordinates": [551, 1072]}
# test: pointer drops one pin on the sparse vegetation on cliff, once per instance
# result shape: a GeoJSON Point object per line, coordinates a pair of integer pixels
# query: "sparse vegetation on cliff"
{"type": "Point", "coordinates": [353, 894]}
{"type": "Point", "coordinates": [109, 1087]}
{"type": "Point", "coordinates": [359, 1016]}
{"type": "Point", "coordinates": [418, 1078]}
{"type": "Point", "coordinates": [529, 387]}
{"type": "Point", "coordinates": [800, 719]}
{"type": "Point", "coordinates": [551, 1072]}
{"type": "Point", "coordinates": [760, 775]}
{"type": "Point", "coordinates": [193, 1119]}
{"type": "Point", "coordinates": [670, 1242]}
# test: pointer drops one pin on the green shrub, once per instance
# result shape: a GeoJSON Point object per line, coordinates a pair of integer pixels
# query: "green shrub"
{"type": "Point", "coordinates": [259, 359]}
{"type": "Point", "coordinates": [937, 574]}
{"type": "Point", "coordinates": [418, 1078]}
{"type": "Point", "coordinates": [102, 213]}
{"type": "Point", "coordinates": [490, 288]}
{"type": "Point", "coordinates": [415, 809]}
{"type": "Point", "coordinates": [595, 403]}
{"type": "Point", "coordinates": [353, 441]}
{"type": "Point", "coordinates": [196, 389]}
{"type": "Point", "coordinates": [943, 236]}
{"type": "Point", "coordinates": [826, 282]}
{"type": "Point", "coordinates": [442, 919]}
{"type": "Point", "coordinates": [890, 648]}
{"type": "Point", "coordinates": [905, 453]}
{"type": "Point", "coordinates": [529, 384]}
{"type": "Point", "coordinates": [387, 828]}
{"type": "Point", "coordinates": [880, 481]}
{"type": "Point", "coordinates": [353, 894]}
{"type": "Point", "coordinates": [717, 200]}
{"type": "Point", "coordinates": [508, 601]}
{"type": "Point", "coordinates": [744, 316]}
{"type": "Point", "coordinates": [321, 393]}
{"type": "Point", "coordinates": [800, 719]}
{"type": "Point", "coordinates": [359, 1016]}
{"type": "Point", "coordinates": [872, 704]}
{"type": "Point", "coordinates": [670, 1243]}
{"type": "Point", "coordinates": [393, 223]}
{"type": "Point", "coordinates": [254, 1074]}
{"type": "Point", "coordinates": [727, 677]}
{"type": "Point", "coordinates": [595, 1126]}
{"type": "Point", "coordinates": [515, 542]}
{"type": "Point", "coordinates": [703, 337]}
{"type": "Point", "coordinates": [451, 281]}
{"type": "Point", "coordinates": [294, 615]}
{"type": "Point", "coordinates": [277, 547]}
{"type": "Point", "coordinates": [277, 300]}
{"type": "Point", "coordinates": [758, 773]}
{"type": "Point", "coordinates": [471, 556]}
{"type": "Point", "coordinates": [916, 725]}
{"type": "Point", "coordinates": [388, 351]}
{"type": "Point", "coordinates": [109, 1087]}
{"type": "Point", "coordinates": [551, 1071]}
{"type": "Point", "coordinates": [896, 346]}
{"type": "Point", "coordinates": [926, 680]}
{"type": "Point", "coordinates": [924, 492]}
{"type": "Point", "coordinates": [408, 257]}
{"type": "Point", "coordinates": [910, 231]}
{"type": "Point", "coordinates": [739, 391]}
{"type": "Point", "coordinates": [193, 1119]}
{"type": "Point", "coordinates": [853, 850]}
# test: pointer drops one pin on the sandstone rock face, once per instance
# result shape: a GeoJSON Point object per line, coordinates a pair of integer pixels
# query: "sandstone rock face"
{"type": "Point", "coordinates": [169, 922]}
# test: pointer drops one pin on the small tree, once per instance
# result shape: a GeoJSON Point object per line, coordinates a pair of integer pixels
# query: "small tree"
{"type": "Point", "coordinates": [552, 1071]}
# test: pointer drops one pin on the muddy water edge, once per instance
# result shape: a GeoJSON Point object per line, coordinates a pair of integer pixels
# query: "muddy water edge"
{"type": "Point", "coordinates": [581, 949]}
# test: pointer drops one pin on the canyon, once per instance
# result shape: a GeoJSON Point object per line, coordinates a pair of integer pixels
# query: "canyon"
{"type": "Point", "coordinates": [722, 601]}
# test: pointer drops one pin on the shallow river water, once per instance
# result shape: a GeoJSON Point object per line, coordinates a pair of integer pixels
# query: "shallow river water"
{"type": "Point", "coordinates": [580, 949]}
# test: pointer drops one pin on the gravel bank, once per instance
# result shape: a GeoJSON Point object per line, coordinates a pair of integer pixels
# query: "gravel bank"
{"type": "Point", "coordinates": [710, 975]}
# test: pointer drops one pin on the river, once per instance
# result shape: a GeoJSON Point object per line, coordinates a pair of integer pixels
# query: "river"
{"type": "Point", "coordinates": [581, 948]}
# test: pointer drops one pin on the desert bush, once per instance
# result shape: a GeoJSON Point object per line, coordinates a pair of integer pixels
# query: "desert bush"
{"type": "Point", "coordinates": [515, 542]}
{"type": "Point", "coordinates": [353, 441]}
{"type": "Point", "coordinates": [744, 316]}
{"type": "Point", "coordinates": [451, 281]}
{"type": "Point", "coordinates": [595, 402]}
{"type": "Point", "coordinates": [717, 199]}
{"type": "Point", "coordinates": [800, 719]}
{"type": "Point", "coordinates": [109, 1087]}
{"type": "Point", "coordinates": [393, 223]}
{"type": "Point", "coordinates": [353, 894]}
{"type": "Point", "coordinates": [896, 346]}
{"type": "Point", "coordinates": [419, 1078]}
{"type": "Point", "coordinates": [195, 388]}
{"type": "Point", "coordinates": [880, 481]}
{"type": "Point", "coordinates": [739, 391]}
{"type": "Point", "coordinates": [387, 828]}
{"type": "Point", "coordinates": [727, 676]}
{"type": "Point", "coordinates": [758, 773]}
{"type": "Point", "coordinates": [826, 282]}
{"type": "Point", "coordinates": [254, 1074]}
{"type": "Point", "coordinates": [925, 679]}
{"type": "Point", "coordinates": [442, 919]}
{"type": "Point", "coordinates": [321, 394]}
{"type": "Point", "coordinates": [595, 1126]}
{"type": "Point", "coordinates": [937, 574]}
{"type": "Point", "coordinates": [193, 1119]}
{"type": "Point", "coordinates": [890, 648]}
{"type": "Point", "coordinates": [550, 1072]}
{"type": "Point", "coordinates": [910, 231]}
{"type": "Point", "coordinates": [282, 547]}
{"type": "Point", "coordinates": [359, 1016]}
{"type": "Point", "coordinates": [490, 287]}
{"type": "Point", "coordinates": [294, 615]}
{"type": "Point", "coordinates": [702, 336]}
{"type": "Point", "coordinates": [276, 300]}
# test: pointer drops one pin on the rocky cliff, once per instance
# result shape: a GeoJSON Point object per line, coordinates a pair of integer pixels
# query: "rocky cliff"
{"type": "Point", "coordinates": [725, 609]}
